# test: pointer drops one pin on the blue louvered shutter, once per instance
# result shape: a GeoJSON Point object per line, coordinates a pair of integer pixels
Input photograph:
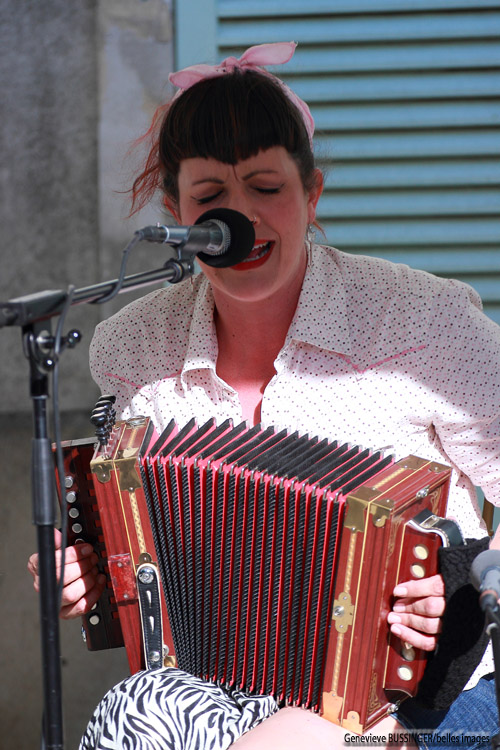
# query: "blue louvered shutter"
{"type": "Point", "coordinates": [405, 94]}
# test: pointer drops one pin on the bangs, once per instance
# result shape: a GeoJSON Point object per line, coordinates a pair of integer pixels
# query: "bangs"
{"type": "Point", "coordinates": [230, 118]}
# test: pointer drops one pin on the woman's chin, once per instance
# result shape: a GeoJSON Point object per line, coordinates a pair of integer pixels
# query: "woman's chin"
{"type": "Point", "coordinates": [269, 278]}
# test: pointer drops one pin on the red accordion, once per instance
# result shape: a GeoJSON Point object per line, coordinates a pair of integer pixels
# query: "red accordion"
{"type": "Point", "coordinates": [258, 559]}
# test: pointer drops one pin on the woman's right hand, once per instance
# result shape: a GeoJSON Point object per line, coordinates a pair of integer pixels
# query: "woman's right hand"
{"type": "Point", "coordinates": [83, 584]}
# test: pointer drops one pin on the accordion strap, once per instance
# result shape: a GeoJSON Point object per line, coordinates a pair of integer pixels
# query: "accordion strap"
{"type": "Point", "coordinates": [149, 600]}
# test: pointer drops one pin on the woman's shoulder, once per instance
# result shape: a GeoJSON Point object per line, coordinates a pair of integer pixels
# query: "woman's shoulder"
{"type": "Point", "coordinates": [162, 311]}
{"type": "Point", "coordinates": [146, 340]}
{"type": "Point", "coordinates": [149, 336]}
{"type": "Point", "coordinates": [360, 273]}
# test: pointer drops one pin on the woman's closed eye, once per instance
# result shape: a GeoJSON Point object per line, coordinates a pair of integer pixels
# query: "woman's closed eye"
{"type": "Point", "coordinates": [268, 190]}
{"type": "Point", "coordinates": [258, 189]}
{"type": "Point", "coordinates": [207, 198]}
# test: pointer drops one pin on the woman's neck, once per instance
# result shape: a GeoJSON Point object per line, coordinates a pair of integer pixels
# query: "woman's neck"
{"type": "Point", "coordinates": [254, 327]}
{"type": "Point", "coordinates": [250, 337]}
{"type": "Point", "coordinates": [258, 328]}
{"type": "Point", "coordinates": [256, 324]}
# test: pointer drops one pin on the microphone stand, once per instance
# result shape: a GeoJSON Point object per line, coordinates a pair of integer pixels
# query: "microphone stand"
{"type": "Point", "coordinates": [493, 630]}
{"type": "Point", "coordinates": [32, 313]}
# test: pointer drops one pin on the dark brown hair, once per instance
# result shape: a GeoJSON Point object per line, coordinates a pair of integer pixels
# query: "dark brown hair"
{"type": "Point", "coordinates": [228, 118]}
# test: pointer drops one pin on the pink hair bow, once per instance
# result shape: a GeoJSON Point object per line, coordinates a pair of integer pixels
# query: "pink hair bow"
{"type": "Point", "coordinates": [254, 58]}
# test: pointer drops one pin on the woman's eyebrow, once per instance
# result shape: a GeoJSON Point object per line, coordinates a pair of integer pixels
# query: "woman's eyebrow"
{"type": "Point", "coordinates": [208, 179]}
{"type": "Point", "coordinates": [248, 176]}
{"type": "Point", "coordinates": [260, 171]}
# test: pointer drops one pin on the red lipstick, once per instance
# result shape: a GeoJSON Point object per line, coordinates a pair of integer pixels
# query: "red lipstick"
{"type": "Point", "coordinates": [259, 255]}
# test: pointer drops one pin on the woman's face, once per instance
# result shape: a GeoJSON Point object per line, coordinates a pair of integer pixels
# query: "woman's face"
{"type": "Point", "coordinates": [268, 190]}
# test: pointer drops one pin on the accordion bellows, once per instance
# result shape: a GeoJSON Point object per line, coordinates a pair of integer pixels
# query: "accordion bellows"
{"type": "Point", "coordinates": [277, 555]}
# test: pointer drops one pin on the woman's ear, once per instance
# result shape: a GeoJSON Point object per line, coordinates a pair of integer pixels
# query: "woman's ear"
{"type": "Point", "coordinates": [314, 195]}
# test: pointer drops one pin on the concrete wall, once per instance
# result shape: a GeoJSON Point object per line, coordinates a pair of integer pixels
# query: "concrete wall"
{"type": "Point", "coordinates": [78, 82]}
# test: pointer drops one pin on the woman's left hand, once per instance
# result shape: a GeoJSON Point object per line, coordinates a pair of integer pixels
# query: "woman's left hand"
{"type": "Point", "coordinates": [417, 611]}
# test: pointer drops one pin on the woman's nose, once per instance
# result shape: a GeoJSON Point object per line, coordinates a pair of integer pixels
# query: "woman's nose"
{"type": "Point", "coordinates": [244, 206]}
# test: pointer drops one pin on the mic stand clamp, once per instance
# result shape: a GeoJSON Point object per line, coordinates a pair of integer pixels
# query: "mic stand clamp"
{"type": "Point", "coordinates": [181, 267]}
{"type": "Point", "coordinates": [40, 349]}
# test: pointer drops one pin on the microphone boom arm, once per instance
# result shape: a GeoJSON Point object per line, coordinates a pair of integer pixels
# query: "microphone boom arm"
{"type": "Point", "coordinates": [28, 309]}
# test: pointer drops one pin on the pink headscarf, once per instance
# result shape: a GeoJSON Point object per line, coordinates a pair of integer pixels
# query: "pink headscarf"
{"type": "Point", "coordinates": [253, 59]}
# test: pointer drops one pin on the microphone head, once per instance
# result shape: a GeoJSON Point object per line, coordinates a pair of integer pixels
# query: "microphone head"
{"type": "Point", "coordinates": [241, 237]}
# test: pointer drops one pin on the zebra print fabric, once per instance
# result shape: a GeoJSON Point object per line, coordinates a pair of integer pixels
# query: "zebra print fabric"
{"type": "Point", "coordinates": [168, 709]}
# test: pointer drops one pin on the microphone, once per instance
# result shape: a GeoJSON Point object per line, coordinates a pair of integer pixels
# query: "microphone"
{"type": "Point", "coordinates": [220, 237]}
{"type": "Point", "coordinates": [485, 577]}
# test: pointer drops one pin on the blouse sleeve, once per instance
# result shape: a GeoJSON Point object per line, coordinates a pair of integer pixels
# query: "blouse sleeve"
{"type": "Point", "coordinates": [464, 376]}
{"type": "Point", "coordinates": [110, 378]}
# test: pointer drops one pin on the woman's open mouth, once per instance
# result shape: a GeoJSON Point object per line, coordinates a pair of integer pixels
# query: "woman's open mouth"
{"type": "Point", "coordinates": [259, 255]}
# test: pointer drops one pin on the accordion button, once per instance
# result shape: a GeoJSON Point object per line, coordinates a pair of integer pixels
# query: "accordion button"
{"type": "Point", "coordinates": [405, 673]}
{"type": "Point", "coordinates": [417, 571]}
{"type": "Point", "coordinates": [421, 552]}
{"type": "Point", "coordinates": [408, 652]}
